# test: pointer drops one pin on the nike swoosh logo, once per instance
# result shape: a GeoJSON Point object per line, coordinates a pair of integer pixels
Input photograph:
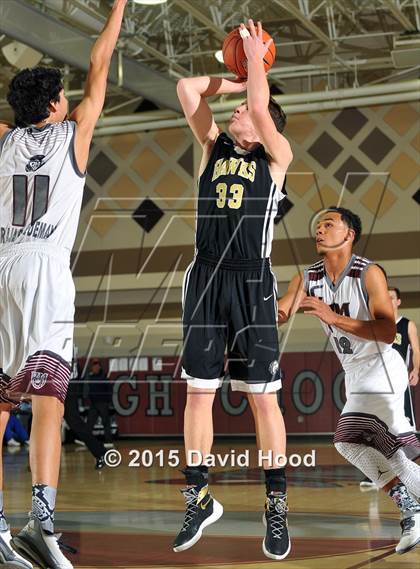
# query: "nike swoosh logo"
{"type": "Point", "coordinates": [204, 506]}
{"type": "Point", "coordinates": [268, 297]}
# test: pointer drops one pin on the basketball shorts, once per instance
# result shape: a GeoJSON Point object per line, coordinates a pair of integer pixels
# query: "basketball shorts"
{"type": "Point", "coordinates": [36, 321]}
{"type": "Point", "coordinates": [231, 305]}
{"type": "Point", "coordinates": [374, 411]}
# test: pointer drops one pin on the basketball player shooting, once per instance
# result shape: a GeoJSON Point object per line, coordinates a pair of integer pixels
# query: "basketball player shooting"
{"type": "Point", "coordinates": [349, 295]}
{"type": "Point", "coordinates": [229, 291]}
{"type": "Point", "coordinates": [42, 174]}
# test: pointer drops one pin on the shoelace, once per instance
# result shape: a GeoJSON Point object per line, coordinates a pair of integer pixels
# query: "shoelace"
{"type": "Point", "coordinates": [406, 525]}
{"type": "Point", "coordinates": [63, 546]}
{"type": "Point", "coordinates": [190, 495]}
{"type": "Point", "coordinates": [277, 510]}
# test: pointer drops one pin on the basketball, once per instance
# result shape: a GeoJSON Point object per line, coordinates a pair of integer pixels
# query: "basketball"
{"type": "Point", "coordinates": [234, 56]}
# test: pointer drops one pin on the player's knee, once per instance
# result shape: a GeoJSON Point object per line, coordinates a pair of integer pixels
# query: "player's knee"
{"type": "Point", "coordinates": [263, 403]}
{"type": "Point", "coordinates": [45, 405]}
{"type": "Point", "coordinates": [352, 452]}
{"type": "Point", "coordinates": [200, 399]}
{"type": "Point", "coordinates": [342, 448]}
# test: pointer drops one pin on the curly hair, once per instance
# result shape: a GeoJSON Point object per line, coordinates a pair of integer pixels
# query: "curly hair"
{"type": "Point", "coordinates": [30, 93]}
{"type": "Point", "coordinates": [352, 220]}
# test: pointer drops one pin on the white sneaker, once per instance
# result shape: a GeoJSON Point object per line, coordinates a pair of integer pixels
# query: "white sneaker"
{"type": "Point", "coordinates": [410, 534]}
{"type": "Point", "coordinates": [8, 555]}
{"type": "Point", "coordinates": [41, 547]}
{"type": "Point", "coordinates": [13, 443]}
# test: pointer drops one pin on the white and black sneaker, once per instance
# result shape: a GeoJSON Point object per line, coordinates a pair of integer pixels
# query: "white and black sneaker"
{"type": "Point", "coordinates": [202, 510]}
{"type": "Point", "coordinates": [40, 547]}
{"type": "Point", "coordinates": [8, 556]}
{"type": "Point", "coordinates": [276, 544]}
{"type": "Point", "coordinates": [410, 532]}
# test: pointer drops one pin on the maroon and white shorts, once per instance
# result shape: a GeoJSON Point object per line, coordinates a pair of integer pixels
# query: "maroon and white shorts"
{"type": "Point", "coordinates": [36, 321]}
{"type": "Point", "coordinates": [374, 411]}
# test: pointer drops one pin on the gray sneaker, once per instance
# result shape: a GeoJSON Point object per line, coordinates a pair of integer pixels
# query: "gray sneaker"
{"type": "Point", "coordinates": [41, 547]}
{"type": "Point", "coordinates": [8, 556]}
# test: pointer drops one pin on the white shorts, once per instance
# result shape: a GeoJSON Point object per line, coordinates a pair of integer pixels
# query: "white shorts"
{"type": "Point", "coordinates": [36, 320]}
{"type": "Point", "coordinates": [374, 411]}
{"type": "Point", "coordinates": [235, 384]}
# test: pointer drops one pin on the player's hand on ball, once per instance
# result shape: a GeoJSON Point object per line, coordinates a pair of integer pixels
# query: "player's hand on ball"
{"type": "Point", "coordinates": [317, 307]}
{"type": "Point", "coordinates": [254, 45]}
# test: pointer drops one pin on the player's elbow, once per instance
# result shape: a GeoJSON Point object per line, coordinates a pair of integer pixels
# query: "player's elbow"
{"type": "Point", "coordinates": [182, 90]}
{"type": "Point", "coordinates": [182, 87]}
{"type": "Point", "coordinates": [100, 60]}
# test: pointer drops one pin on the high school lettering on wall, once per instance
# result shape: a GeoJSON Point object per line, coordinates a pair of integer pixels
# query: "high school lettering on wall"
{"type": "Point", "coordinates": [313, 397]}
{"type": "Point", "coordinates": [159, 403]}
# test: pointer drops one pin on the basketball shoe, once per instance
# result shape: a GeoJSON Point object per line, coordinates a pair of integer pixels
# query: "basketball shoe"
{"type": "Point", "coordinates": [276, 544]}
{"type": "Point", "coordinates": [41, 547]}
{"type": "Point", "coordinates": [201, 511]}
{"type": "Point", "coordinates": [8, 555]}
{"type": "Point", "coordinates": [410, 531]}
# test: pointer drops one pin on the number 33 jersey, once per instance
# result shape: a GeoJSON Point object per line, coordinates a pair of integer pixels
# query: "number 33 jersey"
{"type": "Point", "coordinates": [348, 296]}
{"type": "Point", "coordinates": [41, 187]}
{"type": "Point", "coordinates": [238, 201]}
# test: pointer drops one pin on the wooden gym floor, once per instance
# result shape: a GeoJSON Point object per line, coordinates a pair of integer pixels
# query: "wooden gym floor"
{"type": "Point", "coordinates": [127, 517]}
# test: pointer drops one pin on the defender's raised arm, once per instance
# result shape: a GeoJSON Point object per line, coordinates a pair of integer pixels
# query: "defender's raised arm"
{"type": "Point", "coordinates": [87, 113]}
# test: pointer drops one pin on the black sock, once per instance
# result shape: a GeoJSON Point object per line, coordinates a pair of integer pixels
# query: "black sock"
{"type": "Point", "coordinates": [275, 480]}
{"type": "Point", "coordinates": [196, 476]}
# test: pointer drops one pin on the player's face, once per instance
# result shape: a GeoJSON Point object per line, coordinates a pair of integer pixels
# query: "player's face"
{"type": "Point", "coordinates": [240, 123]}
{"type": "Point", "coordinates": [394, 299]}
{"type": "Point", "coordinates": [332, 233]}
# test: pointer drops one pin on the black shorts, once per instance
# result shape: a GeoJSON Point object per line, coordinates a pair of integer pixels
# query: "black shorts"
{"type": "Point", "coordinates": [231, 304]}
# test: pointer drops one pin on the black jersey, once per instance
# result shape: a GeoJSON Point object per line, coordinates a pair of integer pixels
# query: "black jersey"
{"type": "Point", "coordinates": [402, 341]}
{"type": "Point", "coordinates": [238, 201]}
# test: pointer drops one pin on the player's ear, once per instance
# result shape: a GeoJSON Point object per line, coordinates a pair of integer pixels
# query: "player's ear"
{"type": "Point", "coordinates": [350, 235]}
{"type": "Point", "coordinates": [52, 106]}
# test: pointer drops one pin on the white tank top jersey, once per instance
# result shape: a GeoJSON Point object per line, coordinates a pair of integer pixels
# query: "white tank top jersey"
{"type": "Point", "coordinates": [41, 187]}
{"type": "Point", "coordinates": [347, 297]}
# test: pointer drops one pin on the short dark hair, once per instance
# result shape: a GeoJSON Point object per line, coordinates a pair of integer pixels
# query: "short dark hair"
{"type": "Point", "coordinates": [277, 114]}
{"type": "Point", "coordinates": [396, 290]}
{"type": "Point", "coordinates": [351, 219]}
{"type": "Point", "coordinates": [31, 91]}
